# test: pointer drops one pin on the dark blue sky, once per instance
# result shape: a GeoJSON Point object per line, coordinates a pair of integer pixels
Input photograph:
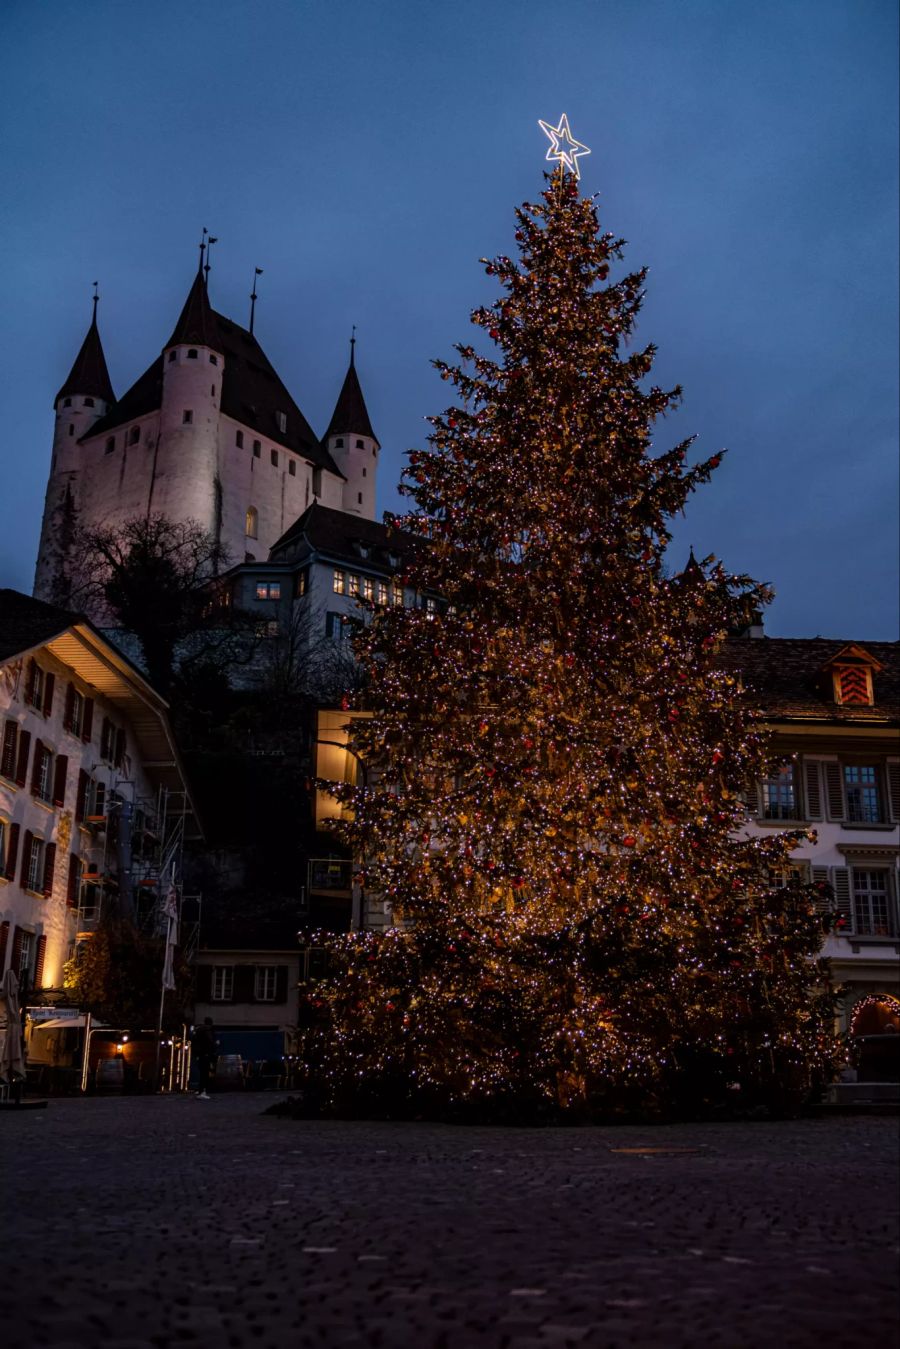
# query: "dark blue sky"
{"type": "Point", "coordinates": [366, 154]}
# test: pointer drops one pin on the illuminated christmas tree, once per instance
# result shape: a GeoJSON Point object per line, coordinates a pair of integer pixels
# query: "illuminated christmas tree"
{"type": "Point", "coordinates": [555, 758]}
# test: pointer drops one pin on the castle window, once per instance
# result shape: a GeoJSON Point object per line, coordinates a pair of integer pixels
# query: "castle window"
{"type": "Point", "coordinates": [359, 498]}
{"type": "Point", "coordinates": [300, 585]}
{"type": "Point", "coordinates": [281, 420]}
{"type": "Point", "coordinates": [292, 468]}
{"type": "Point", "coordinates": [67, 402]}
{"type": "Point", "coordinates": [192, 354]}
{"type": "Point", "coordinates": [89, 402]}
{"type": "Point", "coordinates": [339, 443]}
{"type": "Point", "coordinates": [251, 527]}
{"type": "Point", "coordinates": [110, 444]}
{"type": "Point", "coordinates": [338, 583]}
{"type": "Point", "coordinates": [317, 482]}
{"type": "Point", "coordinates": [134, 435]}
{"type": "Point", "coordinates": [212, 390]}
{"type": "Point", "coordinates": [257, 449]}
{"type": "Point", "coordinates": [360, 445]}
{"type": "Point", "coordinates": [274, 454]}
{"type": "Point", "coordinates": [71, 428]}
{"type": "Point", "coordinates": [213, 360]}
{"type": "Point", "coordinates": [187, 417]}
{"type": "Point", "coordinates": [364, 473]}
{"type": "Point", "coordinates": [239, 439]}
{"type": "Point", "coordinates": [172, 355]}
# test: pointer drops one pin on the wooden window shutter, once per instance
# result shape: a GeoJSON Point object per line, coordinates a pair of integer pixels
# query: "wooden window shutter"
{"type": "Point", "coordinates": [15, 959]}
{"type": "Point", "coordinates": [49, 685]}
{"type": "Point", "coordinates": [12, 851]}
{"type": "Point", "coordinates": [60, 774]}
{"type": "Point", "coordinates": [4, 942]}
{"type": "Point", "coordinates": [26, 858]}
{"type": "Point", "coordinates": [281, 983]}
{"type": "Point", "coordinates": [39, 752]}
{"type": "Point", "coordinates": [73, 884]}
{"type": "Point", "coordinates": [843, 899]}
{"type": "Point", "coordinates": [834, 791]}
{"type": "Point", "coordinates": [203, 983]}
{"type": "Point", "coordinates": [821, 879]}
{"type": "Point", "coordinates": [119, 750]}
{"type": "Point", "coordinates": [49, 868]}
{"type": "Point", "coordinates": [106, 738]}
{"type": "Point", "coordinates": [812, 784]}
{"type": "Point", "coordinates": [244, 983]}
{"type": "Point", "coordinates": [87, 720]}
{"type": "Point", "coordinates": [30, 681]}
{"type": "Point", "coordinates": [69, 710]}
{"type": "Point", "coordinates": [40, 953]}
{"type": "Point", "coordinates": [8, 760]}
{"type": "Point", "coordinates": [22, 765]}
{"type": "Point", "coordinates": [82, 795]}
{"type": "Point", "coordinates": [893, 782]}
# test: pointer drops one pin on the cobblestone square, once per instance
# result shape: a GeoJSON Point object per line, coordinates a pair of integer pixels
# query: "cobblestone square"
{"type": "Point", "coordinates": [132, 1223]}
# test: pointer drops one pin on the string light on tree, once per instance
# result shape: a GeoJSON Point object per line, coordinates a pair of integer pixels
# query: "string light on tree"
{"type": "Point", "coordinates": [564, 150]}
{"type": "Point", "coordinates": [555, 754]}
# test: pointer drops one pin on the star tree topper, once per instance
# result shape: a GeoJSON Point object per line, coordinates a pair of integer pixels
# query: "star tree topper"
{"type": "Point", "coordinates": [563, 146]}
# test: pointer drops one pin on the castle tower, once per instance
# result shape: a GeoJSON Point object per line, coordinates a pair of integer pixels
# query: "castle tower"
{"type": "Point", "coordinates": [185, 482]}
{"type": "Point", "coordinates": [84, 398]}
{"type": "Point", "coordinates": [353, 446]}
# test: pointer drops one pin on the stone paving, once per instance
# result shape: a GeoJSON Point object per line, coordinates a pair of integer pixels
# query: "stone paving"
{"type": "Point", "coordinates": [131, 1223]}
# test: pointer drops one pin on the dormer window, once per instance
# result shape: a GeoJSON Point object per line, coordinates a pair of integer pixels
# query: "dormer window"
{"type": "Point", "coordinates": [281, 421]}
{"type": "Point", "coordinates": [851, 673]}
{"type": "Point", "coordinates": [89, 402]}
{"type": "Point", "coordinates": [192, 354]}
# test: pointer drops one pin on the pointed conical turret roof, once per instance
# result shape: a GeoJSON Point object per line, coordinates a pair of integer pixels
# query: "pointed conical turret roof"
{"type": "Point", "coordinates": [89, 374]}
{"type": "Point", "coordinates": [350, 416]}
{"type": "Point", "coordinates": [196, 322]}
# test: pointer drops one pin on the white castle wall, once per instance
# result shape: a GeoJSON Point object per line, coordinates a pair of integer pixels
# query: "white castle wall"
{"type": "Point", "coordinates": [357, 459]}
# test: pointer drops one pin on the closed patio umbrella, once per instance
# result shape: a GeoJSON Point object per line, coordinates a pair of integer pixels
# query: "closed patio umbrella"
{"type": "Point", "coordinates": [12, 1065]}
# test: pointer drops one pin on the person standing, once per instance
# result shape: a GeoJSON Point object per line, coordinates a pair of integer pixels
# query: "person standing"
{"type": "Point", "coordinates": [206, 1050]}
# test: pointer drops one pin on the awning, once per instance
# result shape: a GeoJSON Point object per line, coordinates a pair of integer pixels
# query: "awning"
{"type": "Point", "coordinates": [66, 1023]}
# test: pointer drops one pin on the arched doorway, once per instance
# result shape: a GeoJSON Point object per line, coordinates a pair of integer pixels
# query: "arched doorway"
{"type": "Point", "coordinates": [875, 1037]}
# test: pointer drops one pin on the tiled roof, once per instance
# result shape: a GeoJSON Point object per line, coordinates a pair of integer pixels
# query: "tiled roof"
{"type": "Point", "coordinates": [196, 322]}
{"type": "Point", "coordinates": [350, 414]}
{"type": "Point", "coordinates": [346, 537]}
{"type": "Point", "coordinates": [89, 374]}
{"type": "Point", "coordinates": [785, 676]}
{"type": "Point", "coordinates": [252, 392]}
{"type": "Point", "coordinates": [26, 623]}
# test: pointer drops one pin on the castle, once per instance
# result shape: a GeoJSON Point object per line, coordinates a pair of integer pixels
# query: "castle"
{"type": "Point", "coordinates": [207, 433]}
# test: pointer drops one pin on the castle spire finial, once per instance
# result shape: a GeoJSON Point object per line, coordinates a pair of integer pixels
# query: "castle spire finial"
{"type": "Point", "coordinates": [96, 301]}
{"type": "Point", "coordinates": [353, 345]}
{"type": "Point", "coordinates": [257, 271]}
{"type": "Point", "coordinates": [212, 239]}
{"type": "Point", "coordinates": [202, 247]}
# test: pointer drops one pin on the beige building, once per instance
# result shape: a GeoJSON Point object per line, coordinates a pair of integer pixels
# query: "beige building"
{"type": "Point", "coordinates": [93, 800]}
{"type": "Point", "coordinates": [834, 711]}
